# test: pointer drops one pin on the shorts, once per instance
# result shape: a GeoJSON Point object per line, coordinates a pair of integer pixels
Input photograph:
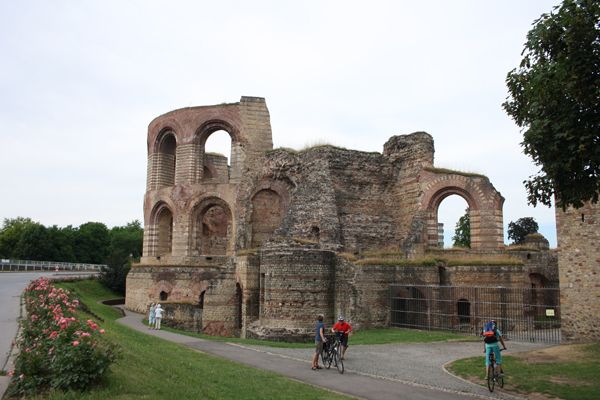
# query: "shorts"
{"type": "Point", "coordinates": [319, 346]}
{"type": "Point", "coordinates": [344, 340]}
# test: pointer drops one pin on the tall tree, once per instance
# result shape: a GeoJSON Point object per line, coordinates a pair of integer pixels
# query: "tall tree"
{"type": "Point", "coordinates": [125, 246]}
{"type": "Point", "coordinates": [462, 233]}
{"type": "Point", "coordinates": [10, 235]}
{"type": "Point", "coordinates": [554, 96]}
{"type": "Point", "coordinates": [91, 243]}
{"type": "Point", "coordinates": [517, 231]}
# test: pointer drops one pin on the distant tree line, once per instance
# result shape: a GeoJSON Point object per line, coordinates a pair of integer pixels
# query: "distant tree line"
{"type": "Point", "coordinates": [90, 243]}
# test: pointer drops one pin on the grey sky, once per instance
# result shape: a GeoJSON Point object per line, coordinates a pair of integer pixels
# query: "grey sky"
{"type": "Point", "coordinates": [81, 80]}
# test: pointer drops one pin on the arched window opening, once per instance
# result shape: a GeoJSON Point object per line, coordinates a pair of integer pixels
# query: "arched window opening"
{"type": "Point", "coordinates": [165, 232]}
{"type": "Point", "coordinates": [163, 296]}
{"type": "Point", "coordinates": [166, 159]}
{"type": "Point", "coordinates": [212, 228]}
{"type": "Point", "coordinates": [239, 299]}
{"type": "Point", "coordinates": [315, 233]}
{"type": "Point", "coordinates": [453, 223]}
{"type": "Point", "coordinates": [217, 155]}
{"type": "Point", "coordinates": [201, 299]}
{"type": "Point", "coordinates": [267, 213]}
{"type": "Point", "coordinates": [464, 311]}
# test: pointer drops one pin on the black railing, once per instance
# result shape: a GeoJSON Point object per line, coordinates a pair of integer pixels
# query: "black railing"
{"type": "Point", "coordinates": [522, 314]}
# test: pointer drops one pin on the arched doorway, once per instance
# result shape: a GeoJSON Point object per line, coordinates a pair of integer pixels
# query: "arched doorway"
{"type": "Point", "coordinates": [212, 227]}
{"type": "Point", "coordinates": [463, 309]}
{"type": "Point", "coordinates": [453, 219]}
{"type": "Point", "coordinates": [220, 151]}
{"type": "Point", "coordinates": [484, 203]}
{"type": "Point", "coordinates": [159, 234]}
{"type": "Point", "coordinates": [165, 160]}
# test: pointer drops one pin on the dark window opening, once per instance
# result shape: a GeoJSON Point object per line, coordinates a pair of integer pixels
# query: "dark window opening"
{"type": "Point", "coordinates": [464, 311]}
{"type": "Point", "coordinates": [163, 296]}
{"type": "Point", "coordinates": [201, 300]}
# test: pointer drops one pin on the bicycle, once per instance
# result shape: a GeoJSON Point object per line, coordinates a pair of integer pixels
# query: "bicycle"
{"type": "Point", "coordinates": [332, 352]}
{"type": "Point", "coordinates": [494, 376]}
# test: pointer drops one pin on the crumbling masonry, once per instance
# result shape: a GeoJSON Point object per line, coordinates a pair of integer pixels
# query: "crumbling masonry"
{"type": "Point", "coordinates": [261, 246]}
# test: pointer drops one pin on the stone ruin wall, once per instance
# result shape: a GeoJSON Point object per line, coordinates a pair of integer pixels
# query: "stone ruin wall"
{"type": "Point", "coordinates": [579, 267]}
{"type": "Point", "coordinates": [330, 199]}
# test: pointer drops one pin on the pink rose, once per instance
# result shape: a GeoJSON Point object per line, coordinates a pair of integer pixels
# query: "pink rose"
{"type": "Point", "coordinates": [76, 343]}
{"type": "Point", "coordinates": [101, 331]}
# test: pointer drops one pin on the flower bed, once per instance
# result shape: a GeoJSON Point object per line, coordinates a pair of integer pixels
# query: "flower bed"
{"type": "Point", "coordinates": [57, 349]}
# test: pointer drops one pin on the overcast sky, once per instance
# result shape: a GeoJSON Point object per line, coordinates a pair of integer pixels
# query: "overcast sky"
{"type": "Point", "coordinates": [81, 80]}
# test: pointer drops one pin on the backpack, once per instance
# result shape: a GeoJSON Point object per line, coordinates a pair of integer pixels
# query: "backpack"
{"type": "Point", "coordinates": [489, 333]}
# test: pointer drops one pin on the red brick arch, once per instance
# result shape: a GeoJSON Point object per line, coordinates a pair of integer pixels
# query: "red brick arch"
{"type": "Point", "coordinates": [485, 206]}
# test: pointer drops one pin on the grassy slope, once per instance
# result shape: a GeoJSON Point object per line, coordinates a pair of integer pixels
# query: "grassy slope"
{"type": "Point", "coordinates": [151, 368]}
{"type": "Point", "coordinates": [577, 379]}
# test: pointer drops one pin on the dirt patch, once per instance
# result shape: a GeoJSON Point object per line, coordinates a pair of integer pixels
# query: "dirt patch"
{"type": "Point", "coordinates": [561, 353]}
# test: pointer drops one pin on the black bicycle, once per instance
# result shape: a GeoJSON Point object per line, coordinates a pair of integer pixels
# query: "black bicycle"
{"type": "Point", "coordinates": [332, 352]}
{"type": "Point", "coordinates": [494, 376]}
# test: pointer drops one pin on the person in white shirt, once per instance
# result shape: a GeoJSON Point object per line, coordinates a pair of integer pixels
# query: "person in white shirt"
{"type": "Point", "coordinates": [158, 313]}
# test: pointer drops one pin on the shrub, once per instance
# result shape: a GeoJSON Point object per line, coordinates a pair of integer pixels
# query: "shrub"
{"type": "Point", "coordinates": [57, 350]}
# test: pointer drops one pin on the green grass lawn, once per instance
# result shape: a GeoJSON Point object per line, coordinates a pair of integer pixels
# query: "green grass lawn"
{"type": "Point", "coordinates": [152, 368]}
{"type": "Point", "coordinates": [566, 372]}
{"type": "Point", "coordinates": [362, 336]}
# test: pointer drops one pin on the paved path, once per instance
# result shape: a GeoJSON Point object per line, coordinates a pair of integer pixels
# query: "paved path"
{"type": "Point", "coordinates": [395, 371]}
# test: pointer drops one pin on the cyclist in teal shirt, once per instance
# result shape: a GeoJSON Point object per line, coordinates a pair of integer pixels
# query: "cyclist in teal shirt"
{"type": "Point", "coordinates": [491, 336]}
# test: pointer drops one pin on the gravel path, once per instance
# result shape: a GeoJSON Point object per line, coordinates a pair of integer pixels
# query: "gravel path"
{"type": "Point", "coordinates": [419, 364]}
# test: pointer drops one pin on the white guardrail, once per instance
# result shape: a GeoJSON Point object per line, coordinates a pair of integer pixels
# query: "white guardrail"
{"type": "Point", "coordinates": [30, 265]}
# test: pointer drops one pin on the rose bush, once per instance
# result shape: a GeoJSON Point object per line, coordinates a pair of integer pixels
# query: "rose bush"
{"type": "Point", "coordinates": [57, 350]}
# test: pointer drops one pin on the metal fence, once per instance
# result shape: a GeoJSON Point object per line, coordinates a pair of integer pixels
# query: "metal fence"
{"type": "Point", "coordinates": [30, 265]}
{"type": "Point", "coordinates": [522, 314]}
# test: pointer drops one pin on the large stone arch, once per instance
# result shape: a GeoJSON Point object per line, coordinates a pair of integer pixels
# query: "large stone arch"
{"type": "Point", "coordinates": [158, 234]}
{"type": "Point", "coordinates": [270, 201]}
{"type": "Point", "coordinates": [236, 157]}
{"type": "Point", "coordinates": [162, 160]}
{"type": "Point", "coordinates": [212, 230]}
{"type": "Point", "coordinates": [485, 207]}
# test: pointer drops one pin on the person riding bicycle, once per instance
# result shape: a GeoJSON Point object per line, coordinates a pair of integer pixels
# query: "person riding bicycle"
{"type": "Point", "coordinates": [491, 336]}
{"type": "Point", "coordinates": [346, 329]}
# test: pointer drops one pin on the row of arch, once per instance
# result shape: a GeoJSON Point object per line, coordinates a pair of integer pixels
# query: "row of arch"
{"type": "Point", "coordinates": [172, 161]}
{"type": "Point", "coordinates": [211, 225]}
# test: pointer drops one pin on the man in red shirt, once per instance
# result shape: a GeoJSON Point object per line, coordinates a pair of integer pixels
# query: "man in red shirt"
{"type": "Point", "coordinates": [346, 329]}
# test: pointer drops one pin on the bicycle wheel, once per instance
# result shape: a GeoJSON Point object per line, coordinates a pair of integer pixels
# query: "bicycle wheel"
{"type": "Point", "coordinates": [324, 357]}
{"type": "Point", "coordinates": [500, 381]}
{"type": "Point", "coordinates": [491, 380]}
{"type": "Point", "coordinates": [339, 363]}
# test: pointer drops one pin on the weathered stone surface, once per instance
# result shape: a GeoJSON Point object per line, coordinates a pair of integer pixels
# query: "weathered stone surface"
{"type": "Point", "coordinates": [579, 265]}
{"type": "Point", "coordinates": [250, 249]}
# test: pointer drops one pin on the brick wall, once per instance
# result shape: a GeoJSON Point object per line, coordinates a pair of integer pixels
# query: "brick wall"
{"type": "Point", "coordinates": [578, 232]}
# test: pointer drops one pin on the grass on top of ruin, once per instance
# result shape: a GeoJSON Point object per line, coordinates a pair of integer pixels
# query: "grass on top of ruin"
{"type": "Point", "coordinates": [565, 371]}
{"type": "Point", "coordinates": [152, 368]}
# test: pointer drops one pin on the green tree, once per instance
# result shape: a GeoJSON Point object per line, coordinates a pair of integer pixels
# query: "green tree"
{"type": "Point", "coordinates": [125, 246]}
{"type": "Point", "coordinates": [517, 231]}
{"type": "Point", "coordinates": [10, 235]}
{"type": "Point", "coordinates": [33, 244]}
{"type": "Point", "coordinates": [462, 233]}
{"type": "Point", "coordinates": [91, 243]}
{"type": "Point", "coordinates": [554, 96]}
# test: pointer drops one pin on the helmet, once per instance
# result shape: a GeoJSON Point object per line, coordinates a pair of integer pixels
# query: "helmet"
{"type": "Point", "coordinates": [341, 318]}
